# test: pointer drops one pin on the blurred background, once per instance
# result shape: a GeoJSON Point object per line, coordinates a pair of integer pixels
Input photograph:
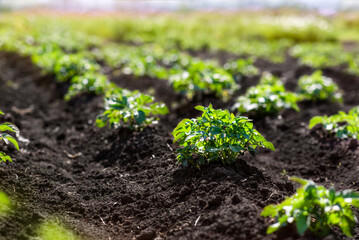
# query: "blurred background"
{"type": "Point", "coordinates": [325, 6]}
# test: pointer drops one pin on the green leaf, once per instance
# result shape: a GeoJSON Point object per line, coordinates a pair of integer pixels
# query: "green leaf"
{"type": "Point", "coordinates": [274, 227]}
{"type": "Point", "coordinates": [213, 149]}
{"type": "Point", "coordinates": [331, 195]}
{"type": "Point", "coordinates": [9, 127]}
{"type": "Point", "coordinates": [235, 148]}
{"type": "Point", "coordinates": [99, 123]}
{"type": "Point", "coordinates": [315, 120]}
{"type": "Point", "coordinates": [345, 226]}
{"type": "Point", "coordinates": [302, 223]}
{"type": "Point", "coordinates": [140, 117]}
{"type": "Point", "coordinates": [269, 210]}
{"type": "Point", "coordinates": [1, 113]}
{"type": "Point", "coordinates": [4, 157]}
{"type": "Point", "coordinates": [199, 108]}
{"type": "Point", "coordinates": [8, 138]}
{"type": "Point", "coordinates": [268, 145]}
{"type": "Point", "coordinates": [299, 180]}
{"type": "Point", "coordinates": [215, 130]}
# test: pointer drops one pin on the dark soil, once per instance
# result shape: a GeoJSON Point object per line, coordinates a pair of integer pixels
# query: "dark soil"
{"type": "Point", "coordinates": [116, 184]}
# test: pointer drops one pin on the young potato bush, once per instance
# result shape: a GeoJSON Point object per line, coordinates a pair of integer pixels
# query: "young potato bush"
{"type": "Point", "coordinates": [7, 138]}
{"type": "Point", "coordinates": [317, 87]}
{"type": "Point", "coordinates": [353, 65]}
{"type": "Point", "coordinates": [201, 77]}
{"type": "Point", "coordinates": [71, 65]}
{"type": "Point", "coordinates": [343, 125]}
{"type": "Point", "coordinates": [90, 82]}
{"type": "Point", "coordinates": [241, 68]}
{"type": "Point", "coordinates": [316, 209]}
{"type": "Point", "coordinates": [320, 55]}
{"type": "Point", "coordinates": [268, 97]}
{"type": "Point", "coordinates": [216, 136]}
{"type": "Point", "coordinates": [130, 109]}
{"type": "Point", "coordinates": [46, 61]}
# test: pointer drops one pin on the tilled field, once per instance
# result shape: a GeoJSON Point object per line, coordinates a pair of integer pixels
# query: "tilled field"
{"type": "Point", "coordinates": [118, 184]}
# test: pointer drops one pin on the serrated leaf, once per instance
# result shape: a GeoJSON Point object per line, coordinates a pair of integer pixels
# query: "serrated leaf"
{"type": "Point", "coordinates": [8, 138]}
{"type": "Point", "coordinates": [268, 145]}
{"type": "Point", "coordinates": [4, 157]}
{"type": "Point", "coordinates": [9, 127]}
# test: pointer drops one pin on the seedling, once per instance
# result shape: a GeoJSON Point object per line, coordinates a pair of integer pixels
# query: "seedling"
{"type": "Point", "coordinates": [316, 209]}
{"type": "Point", "coordinates": [343, 125]}
{"type": "Point", "coordinates": [7, 138]}
{"type": "Point", "coordinates": [317, 87]}
{"type": "Point", "coordinates": [268, 97]}
{"type": "Point", "coordinates": [132, 110]}
{"type": "Point", "coordinates": [216, 136]}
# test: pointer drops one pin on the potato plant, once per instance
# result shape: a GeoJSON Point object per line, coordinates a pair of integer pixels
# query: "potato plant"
{"type": "Point", "coordinates": [216, 136]}
{"type": "Point", "coordinates": [130, 109]}
{"type": "Point", "coordinates": [320, 55]}
{"type": "Point", "coordinates": [188, 76]}
{"type": "Point", "coordinates": [315, 208]}
{"type": "Point", "coordinates": [7, 138]}
{"type": "Point", "coordinates": [89, 82]}
{"type": "Point", "coordinates": [47, 60]}
{"type": "Point", "coordinates": [71, 65]}
{"type": "Point", "coordinates": [317, 87]}
{"type": "Point", "coordinates": [201, 77]}
{"type": "Point", "coordinates": [343, 125]}
{"type": "Point", "coordinates": [241, 68]}
{"type": "Point", "coordinates": [268, 97]}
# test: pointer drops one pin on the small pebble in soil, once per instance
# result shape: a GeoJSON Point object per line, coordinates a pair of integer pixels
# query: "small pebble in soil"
{"type": "Point", "coordinates": [147, 234]}
{"type": "Point", "coordinates": [184, 191]}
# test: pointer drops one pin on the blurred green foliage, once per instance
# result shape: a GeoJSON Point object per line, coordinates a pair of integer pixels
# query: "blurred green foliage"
{"type": "Point", "coordinates": [53, 229]}
{"type": "Point", "coordinates": [5, 203]}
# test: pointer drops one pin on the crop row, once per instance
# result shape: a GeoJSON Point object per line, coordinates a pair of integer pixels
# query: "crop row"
{"type": "Point", "coordinates": [83, 75]}
{"type": "Point", "coordinates": [188, 75]}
